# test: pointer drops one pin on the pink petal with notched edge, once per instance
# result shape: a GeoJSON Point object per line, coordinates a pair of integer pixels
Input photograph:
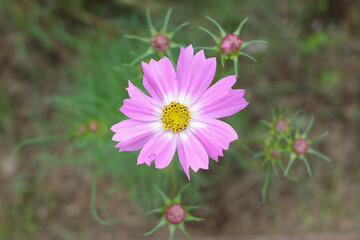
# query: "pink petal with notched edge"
{"type": "Point", "coordinates": [191, 153]}
{"type": "Point", "coordinates": [214, 93]}
{"type": "Point", "coordinates": [132, 109]}
{"type": "Point", "coordinates": [228, 105]}
{"type": "Point", "coordinates": [135, 143]}
{"type": "Point", "coordinates": [214, 134]}
{"type": "Point", "coordinates": [160, 79]}
{"type": "Point", "coordinates": [142, 99]}
{"type": "Point", "coordinates": [194, 73]}
{"type": "Point", "coordinates": [129, 129]}
{"type": "Point", "coordinates": [160, 148]}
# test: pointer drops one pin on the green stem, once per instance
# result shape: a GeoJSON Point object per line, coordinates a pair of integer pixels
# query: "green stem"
{"type": "Point", "coordinates": [173, 183]}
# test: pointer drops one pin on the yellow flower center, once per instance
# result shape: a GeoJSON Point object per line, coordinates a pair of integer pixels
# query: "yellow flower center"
{"type": "Point", "coordinates": [175, 117]}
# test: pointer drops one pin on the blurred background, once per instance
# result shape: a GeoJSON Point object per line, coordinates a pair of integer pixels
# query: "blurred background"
{"type": "Point", "coordinates": [62, 80]}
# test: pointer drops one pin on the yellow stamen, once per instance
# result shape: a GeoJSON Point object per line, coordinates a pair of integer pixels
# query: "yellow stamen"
{"type": "Point", "coordinates": [175, 117]}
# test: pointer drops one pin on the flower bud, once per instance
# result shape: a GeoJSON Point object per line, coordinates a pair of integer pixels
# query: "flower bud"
{"type": "Point", "coordinates": [160, 42]}
{"type": "Point", "coordinates": [175, 213]}
{"type": "Point", "coordinates": [81, 129]}
{"type": "Point", "coordinates": [275, 153]}
{"type": "Point", "coordinates": [93, 126]}
{"type": "Point", "coordinates": [281, 125]}
{"type": "Point", "coordinates": [230, 44]}
{"type": "Point", "coordinates": [300, 146]}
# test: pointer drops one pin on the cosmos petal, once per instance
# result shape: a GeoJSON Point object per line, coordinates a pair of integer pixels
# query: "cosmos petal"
{"type": "Point", "coordinates": [191, 153]}
{"type": "Point", "coordinates": [214, 134]}
{"type": "Point", "coordinates": [194, 73]}
{"type": "Point", "coordinates": [214, 93]}
{"type": "Point", "coordinates": [133, 109]}
{"type": "Point", "coordinates": [160, 80]}
{"type": "Point", "coordinates": [141, 98]}
{"type": "Point", "coordinates": [129, 129]}
{"type": "Point", "coordinates": [161, 149]}
{"type": "Point", "coordinates": [135, 143]}
{"type": "Point", "coordinates": [225, 106]}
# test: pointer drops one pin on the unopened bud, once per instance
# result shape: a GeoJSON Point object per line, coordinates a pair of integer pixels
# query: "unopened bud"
{"type": "Point", "coordinates": [93, 126]}
{"type": "Point", "coordinates": [175, 213]}
{"type": "Point", "coordinates": [300, 146]}
{"type": "Point", "coordinates": [275, 153]}
{"type": "Point", "coordinates": [281, 125]}
{"type": "Point", "coordinates": [160, 42]}
{"type": "Point", "coordinates": [230, 44]}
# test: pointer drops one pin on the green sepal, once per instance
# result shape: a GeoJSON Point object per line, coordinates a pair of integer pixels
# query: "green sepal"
{"type": "Point", "coordinates": [248, 56]}
{"type": "Point", "coordinates": [266, 123]}
{"type": "Point", "coordinates": [241, 25]}
{"type": "Point", "coordinates": [172, 228]}
{"type": "Point", "coordinates": [157, 210]}
{"type": "Point", "coordinates": [166, 21]}
{"type": "Point", "coordinates": [222, 31]}
{"type": "Point", "coordinates": [312, 151]}
{"type": "Point", "coordinates": [207, 48]}
{"type": "Point", "coordinates": [189, 208]}
{"type": "Point", "coordinates": [168, 53]}
{"type": "Point", "coordinates": [304, 135]}
{"type": "Point", "coordinates": [247, 43]}
{"type": "Point", "coordinates": [291, 161]}
{"type": "Point", "coordinates": [308, 168]}
{"type": "Point", "coordinates": [189, 217]}
{"type": "Point", "coordinates": [266, 184]}
{"type": "Point", "coordinates": [161, 223]}
{"type": "Point", "coordinates": [147, 53]}
{"type": "Point", "coordinates": [273, 165]}
{"type": "Point", "coordinates": [151, 27]}
{"type": "Point", "coordinates": [182, 228]}
{"type": "Point", "coordinates": [282, 167]}
{"type": "Point", "coordinates": [177, 198]}
{"type": "Point", "coordinates": [167, 200]}
{"type": "Point", "coordinates": [172, 33]}
{"type": "Point", "coordinates": [260, 154]}
{"type": "Point", "coordinates": [216, 38]}
{"type": "Point", "coordinates": [142, 39]}
{"type": "Point", "coordinates": [318, 138]}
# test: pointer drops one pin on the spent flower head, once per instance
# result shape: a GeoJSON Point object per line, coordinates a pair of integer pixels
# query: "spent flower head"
{"type": "Point", "coordinates": [174, 214]}
{"type": "Point", "coordinates": [160, 41]}
{"type": "Point", "coordinates": [180, 114]}
{"type": "Point", "coordinates": [230, 45]}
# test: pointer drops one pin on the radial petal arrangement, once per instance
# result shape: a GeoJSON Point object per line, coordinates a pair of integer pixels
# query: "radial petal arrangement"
{"type": "Point", "coordinates": [180, 113]}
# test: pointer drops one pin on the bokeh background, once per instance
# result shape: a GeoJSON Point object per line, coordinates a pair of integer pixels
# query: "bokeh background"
{"type": "Point", "coordinates": [62, 69]}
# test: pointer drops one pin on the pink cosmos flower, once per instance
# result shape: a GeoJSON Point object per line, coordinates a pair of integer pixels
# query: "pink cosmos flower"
{"type": "Point", "coordinates": [180, 113]}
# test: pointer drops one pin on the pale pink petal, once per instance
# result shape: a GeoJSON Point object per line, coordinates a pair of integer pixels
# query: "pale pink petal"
{"type": "Point", "coordinates": [194, 73]}
{"type": "Point", "coordinates": [129, 129]}
{"type": "Point", "coordinates": [214, 134]}
{"type": "Point", "coordinates": [141, 98]}
{"type": "Point", "coordinates": [214, 93]}
{"type": "Point", "coordinates": [160, 79]}
{"type": "Point", "coordinates": [136, 143]}
{"type": "Point", "coordinates": [133, 109]}
{"type": "Point", "coordinates": [160, 148]}
{"type": "Point", "coordinates": [228, 105]}
{"type": "Point", "coordinates": [191, 153]}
